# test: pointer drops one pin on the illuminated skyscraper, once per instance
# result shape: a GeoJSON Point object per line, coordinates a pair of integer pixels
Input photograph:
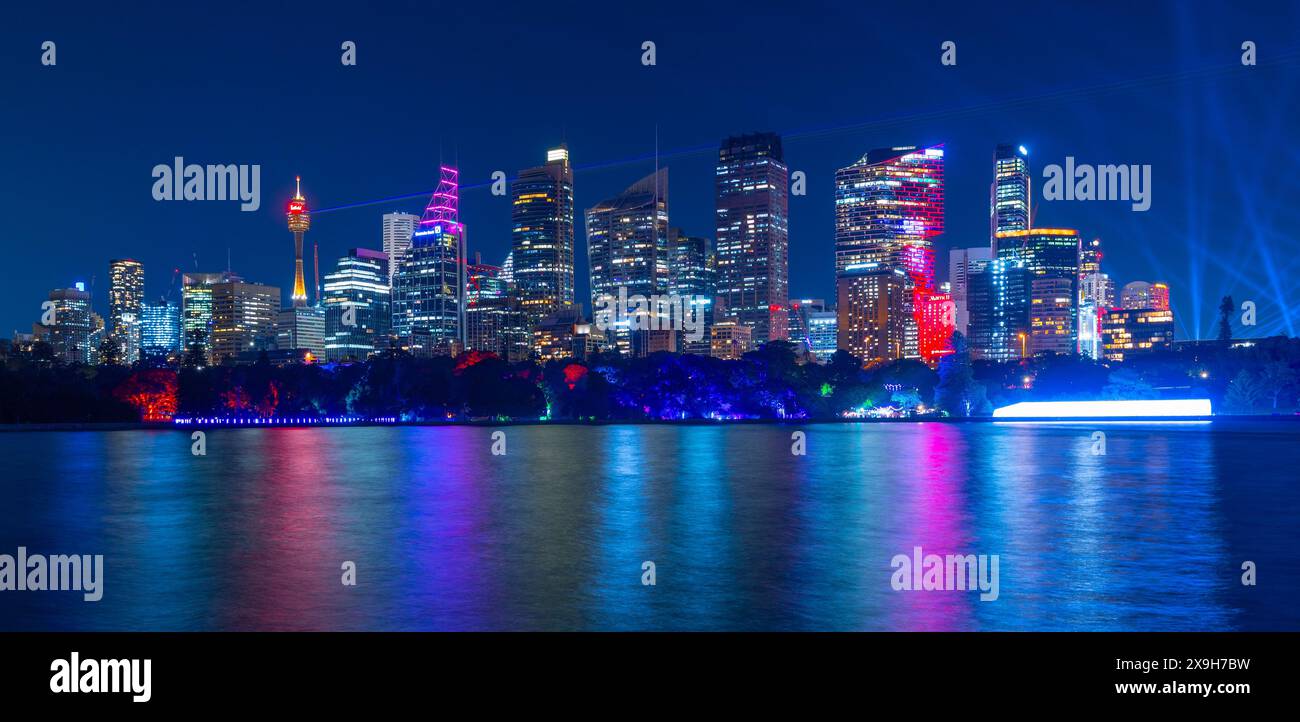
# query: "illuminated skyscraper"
{"type": "Point", "coordinates": [243, 317]}
{"type": "Point", "coordinates": [1142, 295]}
{"type": "Point", "coordinates": [997, 296]}
{"type": "Point", "coordinates": [160, 329]}
{"type": "Point", "coordinates": [693, 276]}
{"type": "Point", "coordinates": [495, 321]}
{"type": "Point", "coordinates": [1089, 258]}
{"type": "Point", "coordinates": [301, 329]}
{"type": "Point", "coordinates": [358, 306]}
{"type": "Point", "coordinates": [753, 208]}
{"type": "Point", "coordinates": [126, 306]}
{"type": "Point", "coordinates": [542, 235]}
{"type": "Point", "coordinates": [1130, 331]}
{"type": "Point", "coordinates": [1095, 296]}
{"type": "Point", "coordinates": [69, 333]}
{"type": "Point", "coordinates": [874, 306]}
{"type": "Point", "coordinates": [729, 340]}
{"type": "Point", "coordinates": [1051, 256]}
{"type": "Point", "coordinates": [299, 221]}
{"type": "Point", "coordinates": [1099, 289]}
{"type": "Point", "coordinates": [397, 231]}
{"type": "Point", "coordinates": [429, 287]}
{"type": "Point", "coordinates": [627, 248]}
{"type": "Point", "coordinates": [961, 263]}
{"type": "Point", "coordinates": [196, 314]}
{"type": "Point", "coordinates": [1011, 195]}
{"type": "Point", "coordinates": [888, 209]}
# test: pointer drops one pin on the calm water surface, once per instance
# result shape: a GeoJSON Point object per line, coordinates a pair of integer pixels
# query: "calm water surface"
{"type": "Point", "coordinates": [744, 535]}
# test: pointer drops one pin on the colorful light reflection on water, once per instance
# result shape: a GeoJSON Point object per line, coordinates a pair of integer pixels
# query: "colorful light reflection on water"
{"type": "Point", "coordinates": [743, 534]}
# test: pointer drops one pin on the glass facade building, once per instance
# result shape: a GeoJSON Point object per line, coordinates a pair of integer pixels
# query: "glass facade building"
{"type": "Point", "coordinates": [753, 242]}
{"type": "Point", "coordinates": [429, 286]}
{"type": "Point", "coordinates": [126, 306]}
{"type": "Point", "coordinates": [888, 210]}
{"type": "Point", "coordinates": [160, 329]}
{"type": "Point", "coordinates": [693, 276]}
{"type": "Point", "coordinates": [1010, 197]}
{"type": "Point", "coordinates": [358, 305]}
{"type": "Point", "coordinates": [627, 250]}
{"type": "Point", "coordinates": [542, 236]}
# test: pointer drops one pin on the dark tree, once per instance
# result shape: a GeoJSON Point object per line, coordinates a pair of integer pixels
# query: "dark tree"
{"type": "Point", "coordinates": [1226, 309]}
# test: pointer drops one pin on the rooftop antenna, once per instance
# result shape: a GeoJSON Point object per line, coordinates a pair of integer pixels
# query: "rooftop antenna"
{"type": "Point", "coordinates": [315, 253]}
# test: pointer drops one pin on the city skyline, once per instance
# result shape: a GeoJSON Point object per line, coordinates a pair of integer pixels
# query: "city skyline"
{"type": "Point", "coordinates": [1114, 109]}
{"type": "Point", "coordinates": [1030, 291]}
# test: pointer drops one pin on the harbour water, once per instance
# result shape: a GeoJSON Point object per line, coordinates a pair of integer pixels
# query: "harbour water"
{"type": "Point", "coordinates": [554, 534]}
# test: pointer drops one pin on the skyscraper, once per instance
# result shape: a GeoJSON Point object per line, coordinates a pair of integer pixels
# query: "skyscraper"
{"type": "Point", "coordinates": [1139, 295]}
{"type": "Point", "coordinates": [243, 317]}
{"type": "Point", "coordinates": [429, 286]}
{"type": "Point", "coordinates": [299, 221]}
{"type": "Point", "coordinates": [961, 263]}
{"type": "Point", "coordinates": [753, 247]}
{"type": "Point", "coordinates": [627, 248]}
{"type": "Point", "coordinates": [874, 306]}
{"type": "Point", "coordinates": [397, 232]}
{"type": "Point", "coordinates": [1051, 256]}
{"type": "Point", "coordinates": [160, 329]}
{"type": "Point", "coordinates": [196, 315]}
{"type": "Point", "coordinates": [126, 306]}
{"type": "Point", "coordinates": [888, 209]}
{"type": "Point", "coordinates": [1010, 197]}
{"type": "Point", "coordinates": [495, 320]}
{"type": "Point", "coordinates": [358, 305]}
{"type": "Point", "coordinates": [997, 297]}
{"type": "Point", "coordinates": [1089, 258]}
{"type": "Point", "coordinates": [542, 235]}
{"type": "Point", "coordinates": [692, 275]}
{"type": "Point", "coordinates": [1095, 295]}
{"type": "Point", "coordinates": [301, 329]}
{"type": "Point", "coordinates": [68, 332]}
{"type": "Point", "coordinates": [1098, 288]}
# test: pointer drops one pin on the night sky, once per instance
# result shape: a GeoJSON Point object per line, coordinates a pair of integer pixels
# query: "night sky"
{"type": "Point", "coordinates": [491, 85]}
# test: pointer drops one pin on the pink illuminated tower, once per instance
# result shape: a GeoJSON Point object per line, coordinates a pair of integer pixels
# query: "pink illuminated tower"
{"type": "Point", "coordinates": [429, 286]}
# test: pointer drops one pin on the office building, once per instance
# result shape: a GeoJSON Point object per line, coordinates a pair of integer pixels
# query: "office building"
{"type": "Point", "coordinates": [753, 245]}
{"type": "Point", "coordinates": [429, 286]}
{"type": "Point", "coordinates": [398, 228]}
{"type": "Point", "coordinates": [542, 236]}
{"type": "Point", "coordinates": [358, 306]}
{"type": "Point", "coordinates": [126, 306]}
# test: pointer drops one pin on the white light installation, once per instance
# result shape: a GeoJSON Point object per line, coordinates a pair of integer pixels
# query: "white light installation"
{"type": "Point", "coordinates": [1147, 408]}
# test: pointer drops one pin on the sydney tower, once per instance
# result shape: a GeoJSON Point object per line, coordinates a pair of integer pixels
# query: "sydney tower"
{"type": "Point", "coordinates": [299, 222]}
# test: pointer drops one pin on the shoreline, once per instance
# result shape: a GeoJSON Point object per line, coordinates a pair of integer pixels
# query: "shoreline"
{"type": "Point", "coordinates": [167, 426]}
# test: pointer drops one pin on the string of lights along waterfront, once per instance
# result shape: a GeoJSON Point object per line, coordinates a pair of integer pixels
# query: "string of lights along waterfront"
{"type": "Point", "coordinates": [1030, 290]}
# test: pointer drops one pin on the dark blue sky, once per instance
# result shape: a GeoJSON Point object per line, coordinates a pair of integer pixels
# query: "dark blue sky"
{"type": "Point", "coordinates": [493, 84]}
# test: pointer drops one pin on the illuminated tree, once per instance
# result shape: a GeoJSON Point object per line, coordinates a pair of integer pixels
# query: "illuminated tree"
{"type": "Point", "coordinates": [151, 392]}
